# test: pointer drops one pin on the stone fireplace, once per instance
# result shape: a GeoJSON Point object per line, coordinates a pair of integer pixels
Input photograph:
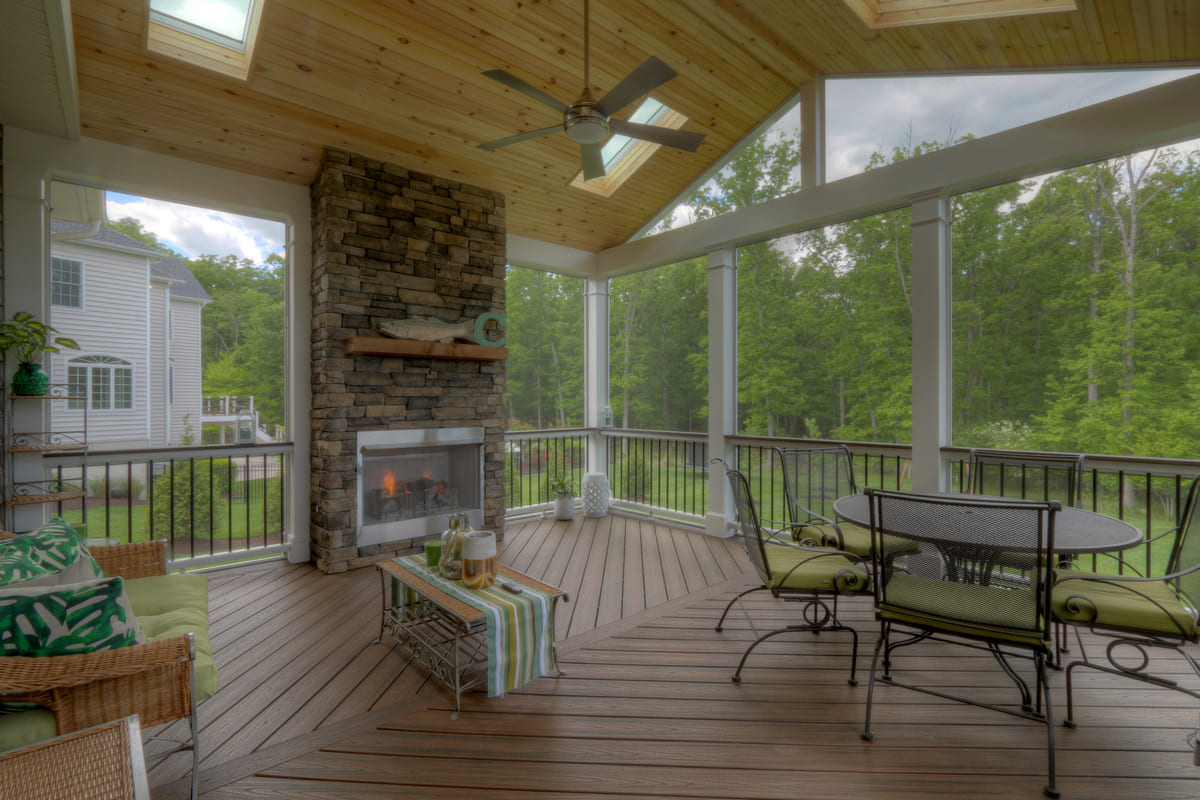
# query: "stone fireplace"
{"type": "Point", "coordinates": [391, 244]}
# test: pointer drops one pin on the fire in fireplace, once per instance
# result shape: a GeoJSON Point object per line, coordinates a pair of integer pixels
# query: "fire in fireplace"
{"type": "Point", "coordinates": [410, 481]}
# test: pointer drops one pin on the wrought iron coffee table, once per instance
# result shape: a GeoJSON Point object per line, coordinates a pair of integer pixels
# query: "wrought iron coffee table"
{"type": "Point", "coordinates": [442, 633]}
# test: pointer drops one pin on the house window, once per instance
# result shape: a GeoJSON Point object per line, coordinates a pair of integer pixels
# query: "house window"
{"type": "Point", "coordinates": [66, 282]}
{"type": "Point", "coordinates": [107, 381]}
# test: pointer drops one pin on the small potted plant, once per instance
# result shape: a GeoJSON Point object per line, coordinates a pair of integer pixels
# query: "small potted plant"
{"type": "Point", "coordinates": [564, 497]}
{"type": "Point", "coordinates": [28, 339]}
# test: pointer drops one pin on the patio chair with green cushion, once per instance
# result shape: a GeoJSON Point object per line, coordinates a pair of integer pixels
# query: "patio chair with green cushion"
{"type": "Point", "coordinates": [1139, 614]}
{"type": "Point", "coordinates": [957, 598]}
{"type": "Point", "coordinates": [1034, 476]}
{"type": "Point", "coordinates": [813, 477]}
{"type": "Point", "coordinates": [813, 576]}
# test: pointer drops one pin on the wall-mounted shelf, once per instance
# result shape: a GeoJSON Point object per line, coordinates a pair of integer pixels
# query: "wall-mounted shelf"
{"type": "Point", "coordinates": [411, 348]}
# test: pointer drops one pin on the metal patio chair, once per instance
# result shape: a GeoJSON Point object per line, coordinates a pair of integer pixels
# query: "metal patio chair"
{"type": "Point", "coordinates": [960, 596]}
{"type": "Point", "coordinates": [813, 477]}
{"type": "Point", "coordinates": [1139, 615]}
{"type": "Point", "coordinates": [815, 577]}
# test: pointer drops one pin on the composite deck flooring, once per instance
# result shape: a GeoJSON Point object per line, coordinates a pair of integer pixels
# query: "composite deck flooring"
{"type": "Point", "coordinates": [311, 707]}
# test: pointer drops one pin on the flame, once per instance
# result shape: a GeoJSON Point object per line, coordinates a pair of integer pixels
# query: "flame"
{"type": "Point", "coordinates": [427, 474]}
{"type": "Point", "coordinates": [389, 483]}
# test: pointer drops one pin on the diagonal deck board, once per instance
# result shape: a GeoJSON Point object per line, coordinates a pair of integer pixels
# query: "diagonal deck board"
{"type": "Point", "coordinates": [644, 707]}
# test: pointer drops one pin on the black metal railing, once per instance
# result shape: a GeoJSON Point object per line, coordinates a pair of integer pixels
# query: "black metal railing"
{"type": "Point", "coordinates": [213, 504]}
{"type": "Point", "coordinates": [659, 472]}
{"type": "Point", "coordinates": [535, 458]}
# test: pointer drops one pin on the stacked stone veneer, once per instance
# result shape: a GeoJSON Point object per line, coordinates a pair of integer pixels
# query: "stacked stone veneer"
{"type": "Point", "coordinates": [389, 244]}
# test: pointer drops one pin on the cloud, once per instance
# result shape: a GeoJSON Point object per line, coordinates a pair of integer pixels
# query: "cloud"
{"type": "Point", "coordinates": [868, 115]}
{"type": "Point", "coordinates": [199, 231]}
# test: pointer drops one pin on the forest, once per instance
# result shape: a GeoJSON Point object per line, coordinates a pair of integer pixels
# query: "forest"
{"type": "Point", "coordinates": [1074, 302]}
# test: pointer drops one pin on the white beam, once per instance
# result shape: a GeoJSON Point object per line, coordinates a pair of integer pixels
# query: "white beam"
{"type": "Point", "coordinates": [522, 251]}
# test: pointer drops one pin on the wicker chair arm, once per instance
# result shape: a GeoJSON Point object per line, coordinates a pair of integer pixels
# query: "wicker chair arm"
{"type": "Point", "coordinates": [152, 680]}
{"type": "Point", "coordinates": [132, 560]}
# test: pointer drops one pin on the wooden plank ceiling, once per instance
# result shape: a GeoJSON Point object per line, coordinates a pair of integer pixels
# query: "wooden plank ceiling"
{"type": "Point", "coordinates": [400, 82]}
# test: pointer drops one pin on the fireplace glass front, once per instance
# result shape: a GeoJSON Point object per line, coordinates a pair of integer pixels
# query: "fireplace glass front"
{"type": "Point", "coordinates": [408, 485]}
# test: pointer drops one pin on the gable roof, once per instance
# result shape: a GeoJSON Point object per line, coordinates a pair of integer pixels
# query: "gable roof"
{"type": "Point", "coordinates": [183, 284]}
{"type": "Point", "coordinates": [402, 83]}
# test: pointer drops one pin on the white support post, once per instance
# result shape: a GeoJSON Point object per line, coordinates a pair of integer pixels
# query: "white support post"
{"type": "Point", "coordinates": [931, 340]}
{"type": "Point", "coordinates": [812, 133]}
{"type": "Point", "coordinates": [722, 382]}
{"type": "Point", "coordinates": [27, 260]}
{"type": "Point", "coordinates": [595, 379]}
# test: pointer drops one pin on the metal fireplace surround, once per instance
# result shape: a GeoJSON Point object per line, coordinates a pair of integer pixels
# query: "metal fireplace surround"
{"type": "Point", "coordinates": [411, 480]}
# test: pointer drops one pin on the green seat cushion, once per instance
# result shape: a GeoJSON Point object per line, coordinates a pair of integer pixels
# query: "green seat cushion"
{"type": "Point", "coordinates": [962, 608]}
{"type": "Point", "coordinates": [1092, 598]}
{"type": "Point", "coordinates": [21, 728]}
{"type": "Point", "coordinates": [52, 554]}
{"type": "Point", "coordinates": [810, 569]}
{"type": "Point", "coordinates": [174, 605]}
{"type": "Point", "coordinates": [67, 619]}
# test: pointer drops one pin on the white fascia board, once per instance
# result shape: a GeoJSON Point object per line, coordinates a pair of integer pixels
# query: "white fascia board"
{"type": "Point", "coordinates": [521, 251]}
{"type": "Point", "coordinates": [1158, 116]}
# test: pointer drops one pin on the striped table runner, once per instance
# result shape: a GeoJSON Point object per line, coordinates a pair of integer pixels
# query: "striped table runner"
{"type": "Point", "coordinates": [520, 627]}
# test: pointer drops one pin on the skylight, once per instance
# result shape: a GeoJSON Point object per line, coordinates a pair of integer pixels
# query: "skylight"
{"type": "Point", "coordinates": [214, 34]}
{"type": "Point", "coordinates": [223, 22]}
{"type": "Point", "coordinates": [648, 113]}
{"type": "Point", "coordinates": [623, 155]}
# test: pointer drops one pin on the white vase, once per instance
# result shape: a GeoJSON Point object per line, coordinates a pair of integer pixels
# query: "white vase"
{"type": "Point", "coordinates": [595, 494]}
{"type": "Point", "coordinates": [564, 506]}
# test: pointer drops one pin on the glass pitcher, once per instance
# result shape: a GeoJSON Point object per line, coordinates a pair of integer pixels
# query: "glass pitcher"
{"type": "Point", "coordinates": [450, 565]}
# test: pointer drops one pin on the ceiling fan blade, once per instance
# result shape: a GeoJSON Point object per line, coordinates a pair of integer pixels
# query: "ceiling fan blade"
{"type": "Point", "coordinates": [593, 161]}
{"type": "Point", "coordinates": [683, 140]}
{"type": "Point", "coordinates": [520, 137]}
{"type": "Point", "coordinates": [642, 81]}
{"type": "Point", "coordinates": [513, 82]}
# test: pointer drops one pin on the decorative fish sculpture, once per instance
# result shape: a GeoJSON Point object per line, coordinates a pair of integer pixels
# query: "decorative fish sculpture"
{"type": "Point", "coordinates": [428, 329]}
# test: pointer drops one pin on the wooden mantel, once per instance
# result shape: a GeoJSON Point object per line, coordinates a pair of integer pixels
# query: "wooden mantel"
{"type": "Point", "coordinates": [412, 348]}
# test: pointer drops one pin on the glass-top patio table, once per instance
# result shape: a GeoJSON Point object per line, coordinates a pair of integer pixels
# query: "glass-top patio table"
{"type": "Point", "coordinates": [1076, 532]}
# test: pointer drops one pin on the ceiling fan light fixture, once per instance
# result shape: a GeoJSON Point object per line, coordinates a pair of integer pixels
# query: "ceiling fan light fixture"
{"type": "Point", "coordinates": [586, 125]}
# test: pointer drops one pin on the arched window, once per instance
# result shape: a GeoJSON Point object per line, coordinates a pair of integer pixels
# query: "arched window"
{"type": "Point", "coordinates": [106, 380]}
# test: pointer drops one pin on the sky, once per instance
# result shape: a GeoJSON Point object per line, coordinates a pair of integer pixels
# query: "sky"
{"type": "Point", "coordinates": [197, 231]}
{"type": "Point", "coordinates": [864, 116]}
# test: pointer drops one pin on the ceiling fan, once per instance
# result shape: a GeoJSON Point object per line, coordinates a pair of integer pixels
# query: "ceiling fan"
{"type": "Point", "coordinates": [588, 120]}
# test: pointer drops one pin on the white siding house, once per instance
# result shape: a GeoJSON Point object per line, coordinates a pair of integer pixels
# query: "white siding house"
{"type": "Point", "coordinates": [136, 318]}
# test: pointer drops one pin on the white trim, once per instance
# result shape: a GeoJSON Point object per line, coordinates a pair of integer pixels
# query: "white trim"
{"type": "Point", "coordinates": [31, 160]}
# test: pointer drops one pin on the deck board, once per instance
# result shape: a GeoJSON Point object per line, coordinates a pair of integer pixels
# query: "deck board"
{"type": "Point", "coordinates": [644, 707]}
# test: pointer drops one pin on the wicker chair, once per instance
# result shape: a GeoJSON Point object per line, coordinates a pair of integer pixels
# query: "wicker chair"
{"type": "Point", "coordinates": [152, 680]}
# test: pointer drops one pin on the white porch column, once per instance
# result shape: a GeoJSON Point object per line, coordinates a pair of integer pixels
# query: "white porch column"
{"type": "Point", "coordinates": [812, 133]}
{"type": "Point", "coordinates": [26, 262]}
{"type": "Point", "coordinates": [722, 382]}
{"type": "Point", "coordinates": [595, 369]}
{"type": "Point", "coordinates": [931, 293]}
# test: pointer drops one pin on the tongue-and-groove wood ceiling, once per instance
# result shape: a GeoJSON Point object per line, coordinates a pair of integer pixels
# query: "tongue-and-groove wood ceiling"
{"type": "Point", "coordinates": [399, 80]}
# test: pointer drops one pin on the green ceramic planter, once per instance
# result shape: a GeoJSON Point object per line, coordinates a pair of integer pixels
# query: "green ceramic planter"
{"type": "Point", "coordinates": [30, 381]}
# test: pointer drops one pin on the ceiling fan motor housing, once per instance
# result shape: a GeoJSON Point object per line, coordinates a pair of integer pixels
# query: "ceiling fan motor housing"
{"type": "Point", "coordinates": [584, 124]}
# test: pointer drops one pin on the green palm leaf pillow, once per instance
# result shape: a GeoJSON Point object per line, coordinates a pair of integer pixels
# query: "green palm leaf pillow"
{"type": "Point", "coordinates": [67, 619]}
{"type": "Point", "coordinates": [51, 554]}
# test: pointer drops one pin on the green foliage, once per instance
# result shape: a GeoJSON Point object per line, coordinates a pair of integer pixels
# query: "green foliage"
{"type": "Point", "coordinates": [182, 500]}
{"type": "Point", "coordinates": [28, 338]}
{"type": "Point", "coordinates": [562, 486]}
{"type": "Point", "coordinates": [117, 487]}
